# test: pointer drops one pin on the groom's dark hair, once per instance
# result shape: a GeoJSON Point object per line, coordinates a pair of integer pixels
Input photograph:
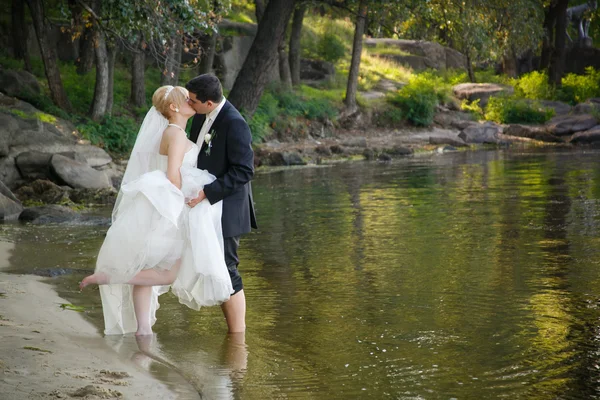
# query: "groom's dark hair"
{"type": "Point", "coordinates": [206, 87]}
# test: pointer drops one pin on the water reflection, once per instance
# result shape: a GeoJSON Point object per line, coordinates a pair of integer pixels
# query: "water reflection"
{"type": "Point", "coordinates": [469, 275]}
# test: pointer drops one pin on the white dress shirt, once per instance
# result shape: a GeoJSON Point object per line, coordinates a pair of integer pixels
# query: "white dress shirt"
{"type": "Point", "coordinates": [210, 118]}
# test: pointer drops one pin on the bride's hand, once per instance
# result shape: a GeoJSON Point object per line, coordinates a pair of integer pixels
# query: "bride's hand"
{"type": "Point", "coordinates": [193, 202]}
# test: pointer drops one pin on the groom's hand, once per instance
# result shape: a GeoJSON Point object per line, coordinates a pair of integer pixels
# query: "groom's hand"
{"type": "Point", "coordinates": [193, 202]}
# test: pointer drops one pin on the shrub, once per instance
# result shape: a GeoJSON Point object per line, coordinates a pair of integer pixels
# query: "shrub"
{"type": "Point", "coordinates": [512, 110]}
{"type": "Point", "coordinates": [578, 88]}
{"type": "Point", "coordinates": [331, 48]}
{"type": "Point", "coordinates": [114, 134]}
{"type": "Point", "coordinates": [534, 85]}
{"type": "Point", "coordinates": [417, 100]}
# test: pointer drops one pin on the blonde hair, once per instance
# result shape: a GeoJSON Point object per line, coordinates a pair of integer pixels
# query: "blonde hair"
{"type": "Point", "coordinates": [164, 96]}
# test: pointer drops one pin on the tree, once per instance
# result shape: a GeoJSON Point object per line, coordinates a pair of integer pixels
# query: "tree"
{"type": "Point", "coordinates": [48, 52]}
{"type": "Point", "coordinates": [253, 77]}
{"type": "Point", "coordinates": [295, 35]}
{"type": "Point", "coordinates": [20, 33]}
{"type": "Point", "coordinates": [138, 69]}
{"type": "Point", "coordinates": [557, 60]}
{"type": "Point", "coordinates": [352, 87]}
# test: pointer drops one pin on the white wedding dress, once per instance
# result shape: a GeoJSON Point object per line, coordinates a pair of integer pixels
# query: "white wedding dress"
{"type": "Point", "coordinates": [153, 228]}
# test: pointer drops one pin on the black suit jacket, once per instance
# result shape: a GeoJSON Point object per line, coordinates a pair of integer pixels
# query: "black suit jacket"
{"type": "Point", "coordinates": [231, 160]}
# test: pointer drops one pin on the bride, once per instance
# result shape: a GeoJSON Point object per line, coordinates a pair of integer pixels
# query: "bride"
{"type": "Point", "coordinates": [156, 241]}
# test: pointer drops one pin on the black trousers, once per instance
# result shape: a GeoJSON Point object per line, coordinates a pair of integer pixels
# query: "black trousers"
{"type": "Point", "coordinates": [231, 245]}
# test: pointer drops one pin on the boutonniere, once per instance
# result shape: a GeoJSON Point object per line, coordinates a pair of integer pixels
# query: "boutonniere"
{"type": "Point", "coordinates": [208, 140]}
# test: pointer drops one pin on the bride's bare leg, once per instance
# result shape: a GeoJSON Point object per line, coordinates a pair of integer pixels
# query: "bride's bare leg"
{"type": "Point", "coordinates": [156, 277]}
{"type": "Point", "coordinates": [142, 295]}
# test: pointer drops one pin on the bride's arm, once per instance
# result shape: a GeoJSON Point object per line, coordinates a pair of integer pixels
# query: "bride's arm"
{"type": "Point", "coordinates": [177, 146]}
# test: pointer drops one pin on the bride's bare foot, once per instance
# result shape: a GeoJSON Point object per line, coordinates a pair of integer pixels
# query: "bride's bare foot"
{"type": "Point", "coordinates": [94, 279]}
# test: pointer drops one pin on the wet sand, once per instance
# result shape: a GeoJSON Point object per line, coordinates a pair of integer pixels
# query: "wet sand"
{"type": "Point", "coordinates": [50, 353]}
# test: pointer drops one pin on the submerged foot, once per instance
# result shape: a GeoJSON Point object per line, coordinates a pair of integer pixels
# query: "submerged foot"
{"type": "Point", "coordinates": [94, 279]}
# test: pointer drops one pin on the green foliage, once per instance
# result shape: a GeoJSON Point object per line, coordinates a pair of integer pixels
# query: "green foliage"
{"type": "Point", "coordinates": [472, 107]}
{"type": "Point", "coordinates": [326, 39]}
{"type": "Point", "coordinates": [388, 116]}
{"type": "Point", "coordinates": [114, 134]}
{"type": "Point", "coordinates": [418, 100]}
{"type": "Point", "coordinates": [330, 48]}
{"type": "Point", "coordinates": [513, 110]}
{"type": "Point", "coordinates": [578, 88]}
{"type": "Point", "coordinates": [534, 85]}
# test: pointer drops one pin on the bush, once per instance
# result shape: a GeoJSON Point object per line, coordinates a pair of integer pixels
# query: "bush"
{"type": "Point", "coordinates": [534, 85]}
{"type": "Point", "coordinates": [114, 134]}
{"type": "Point", "coordinates": [512, 110]}
{"type": "Point", "coordinates": [578, 88]}
{"type": "Point", "coordinates": [417, 100]}
{"type": "Point", "coordinates": [330, 48]}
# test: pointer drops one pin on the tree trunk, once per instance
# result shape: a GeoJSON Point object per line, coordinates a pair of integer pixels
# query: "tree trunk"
{"type": "Point", "coordinates": [87, 52]}
{"type": "Point", "coordinates": [548, 40]}
{"type": "Point", "coordinates": [207, 58]}
{"type": "Point", "coordinates": [254, 75]}
{"type": "Point", "coordinates": [170, 75]}
{"type": "Point", "coordinates": [138, 69]}
{"type": "Point", "coordinates": [260, 9]}
{"type": "Point", "coordinates": [295, 44]}
{"type": "Point", "coordinates": [350, 100]}
{"type": "Point", "coordinates": [557, 61]}
{"type": "Point", "coordinates": [112, 56]}
{"type": "Point", "coordinates": [49, 57]}
{"type": "Point", "coordinates": [285, 76]}
{"type": "Point", "coordinates": [470, 70]}
{"type": "Point", "coordinates": [509, 63]}
{"type": "Point", "coordinates": [100, 101]}
{"type": "Point", "coordinates": [20, 33]}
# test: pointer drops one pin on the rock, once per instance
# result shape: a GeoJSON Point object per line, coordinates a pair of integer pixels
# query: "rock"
{"type": "Point", "coordinates": [323, 150]}
{"type": "Point", "coordinates": [48, 214]}
{"type": "Point", "coordinates": [559, 107]}
{"type": "Point", "coordinates": [359, 141]}
{"type": "Point", "coordinates": [481, 133]}
{"type": "Point", "coordinates": [480, 91]}
{"type": "Point", "coordinates": [568, 124]}
{"type": "Point", "coordinates": [8, 128]}
{"type": "Point", "coordinates": [384, 157]}
{"type": "Point", "coordinates": [77, 174]}
{"type": "Point", "coordinates": [43, 191]}
{"type": "Point", "coordinates": [453, 119]}
{"type": "Point", "coordinates": [591, 136]}
{"type": "Point", "coordinates": [420, 54]}
{"type": "Point", "coordinates": [532, 132]}
{"type": "Point", "coordinates": [20, 84]}
{"type": "Point", "coordinates": [293, 158]}
{"type": "Point", "coordinates": [588, 107]}
{"type": "Point", "coordinates": [10, 206]}
{"type": "Point", "coordinates": [387, 85]}
{"type": "Point", "coordinates": [53, 272]}
{"type": "Point", "coordinates": [400, 151]}
{"type": "Point", "coordinates": [33, 164]}
{"type": "Point", "coordinates": [106, 196]}
{"type": "Point", "coordinates": [369, 154]}
{"type": "Point", "coordinates": [336, 149]}
{"type": "Point", "coordinates": [316, 70]}
{"type": "Point", "coordinates": [94, 156]}
{"type": "Point", "coordinates": [457, 142]}
{"type": "Point", "coordinates": [73, 155]}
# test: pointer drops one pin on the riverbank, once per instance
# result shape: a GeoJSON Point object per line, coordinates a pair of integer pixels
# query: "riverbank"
{"type": "Point", "coordinates": [50, 353]}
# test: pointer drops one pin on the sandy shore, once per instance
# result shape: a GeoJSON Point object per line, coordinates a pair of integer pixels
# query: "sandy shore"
{"type": "Point", "coordinates": [50, 353]}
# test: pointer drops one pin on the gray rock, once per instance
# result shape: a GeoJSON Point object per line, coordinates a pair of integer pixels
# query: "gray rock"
{"type": "Point", "coordinates": [568, 124]}
{"type": "Point", "coordinates": [77, 174]}
{"type": "Point", "coordinates": [586, 108]}
{"type": "Point", "coordinates": [532, 132]}
{"type": "Point", "coordinates": [453, 119]}
{"type": "Point", "coordinates": [336, 149]}
{"type": "Point", "coordinates": [480, 91]}
{"type": "Point", "coordinates": [457, 141]}
{"type": "Point", "coordinates": [323, 150]}
{"type": "Point", "coordinates": [105, 196]}
{"type": "Point", "coordinates": [369, 154]}
{"type": "Point", "coordinates": [94, 156]}
{"type": "Point", "coordinates": [33, 164]}
{"type": "Point", "coordinates": [48, 214]}
{"type": "Point", "coordinates": [559, 107]}
{"type": "Point", "coordinates": [10, 206]}
{"type": "Point", "coordinates": [43, 191]}
{"type": "Point", "coordinates": [400, 151]}
{"type": "Point", "coordinates": [384, 157]}
{"type": "Point", "coordinates": [591, 136]}
{"type": "Point", "coordinates": [481, 133]}
{"type": "Point", "coordinates": [293, 158]}
{"type": "Point", "coordinates": [421, 54]}
{"type": "Point", "coordinates": [359, 141]}
{"type": "Point", "coordinates": [316, 70]}
{"type": "Point", "coordinates": [20, 84]}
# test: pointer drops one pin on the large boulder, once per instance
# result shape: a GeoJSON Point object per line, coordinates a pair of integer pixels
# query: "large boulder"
{"type": "Point", "coordinates": [559, 107]}
{"type": "Point", "coordinates": [20, 84]}
{"type": "Point", "coordinates": [10, 206]}
{"type": "Point", "coordinates": [48, 214]}
{"type": "Point", "coordinates": [43, 191]}
{"type": "Point", "coordinates": [316, 70]}
{"type": "Point", "coordinates": [420, 54]}
{"type": "Point", "coordinates": [565, 125]}
{"type": "Point", "coordinates": [34, 164]}
{"type": "Point", "coordinates": [591, 136]}
{"type": "Point", "coordinates": [532, 132]}
{"type": "Point", "coordinates": [77, 174]}
{"type": "Point", "coordinates": [480, 91]}
{"type": "Point", "coordinates": [481, 133]}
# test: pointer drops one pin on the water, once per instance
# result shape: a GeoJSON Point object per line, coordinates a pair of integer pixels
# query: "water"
{"type": "Point", "coordinates": [468, 276]}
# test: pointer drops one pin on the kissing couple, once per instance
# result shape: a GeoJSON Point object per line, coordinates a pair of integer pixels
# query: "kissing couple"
{"type": "Point", "coordinates": [181, 209]}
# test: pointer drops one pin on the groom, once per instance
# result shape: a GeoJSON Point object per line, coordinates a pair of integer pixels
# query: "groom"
{"type": "Point", "coordinates": [226, 152]}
